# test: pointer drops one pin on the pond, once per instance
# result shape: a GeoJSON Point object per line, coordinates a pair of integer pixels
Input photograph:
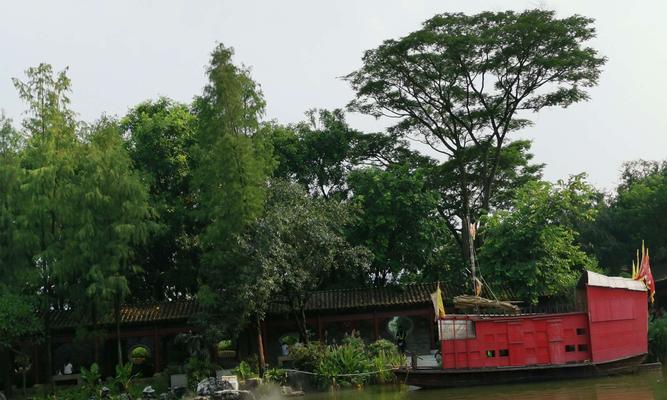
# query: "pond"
{"type": "Point", "coordinates": [643, 386]}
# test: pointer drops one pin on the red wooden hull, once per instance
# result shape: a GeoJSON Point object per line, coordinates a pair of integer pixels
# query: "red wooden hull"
{"type": "Point", "coordinates": [443, 378]}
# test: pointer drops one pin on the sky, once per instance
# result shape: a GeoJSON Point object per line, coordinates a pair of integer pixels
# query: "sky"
{"type": "Point", "coordinates": [120, 53]}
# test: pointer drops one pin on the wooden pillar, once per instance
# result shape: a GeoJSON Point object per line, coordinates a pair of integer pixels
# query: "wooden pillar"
{"type": "Point", "coordinates": [376, 328]}
{"type": "Point", "coordinates": [35, 364]}
{"type": "Point", "coordinates": [431, 331]}
{"type": "Point", "coordinates": [157, 344]}
{"type": "Point", "coordinates": [319, 328]}
{"type": "Point", "coordinates": [264, 336]}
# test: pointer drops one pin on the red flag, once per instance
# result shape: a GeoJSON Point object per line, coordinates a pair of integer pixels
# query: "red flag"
{"type": "Point", "coordinates": [645, 274]}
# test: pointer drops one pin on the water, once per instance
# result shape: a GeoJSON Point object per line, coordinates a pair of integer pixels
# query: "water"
{"type": "Point", "coordinates": [643, 386]}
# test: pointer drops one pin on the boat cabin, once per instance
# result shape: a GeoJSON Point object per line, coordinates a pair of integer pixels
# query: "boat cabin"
{"type": "Point", "coordinates": [610, 325]}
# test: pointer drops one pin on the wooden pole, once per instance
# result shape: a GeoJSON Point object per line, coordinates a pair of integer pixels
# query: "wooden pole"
{"type": "Point", "coordinates": [260, 348]}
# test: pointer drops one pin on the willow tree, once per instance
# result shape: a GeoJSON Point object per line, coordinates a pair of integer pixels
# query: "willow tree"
{"type": "Point", "coordinates": [467, 81]}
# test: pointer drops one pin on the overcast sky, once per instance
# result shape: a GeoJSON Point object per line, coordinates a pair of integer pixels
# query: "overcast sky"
{"type": "Point", "coordinates": [120, 53]}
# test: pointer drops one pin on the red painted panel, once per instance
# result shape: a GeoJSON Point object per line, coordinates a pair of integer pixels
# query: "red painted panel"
{"type": "Point", "coordinates": [618, 323]}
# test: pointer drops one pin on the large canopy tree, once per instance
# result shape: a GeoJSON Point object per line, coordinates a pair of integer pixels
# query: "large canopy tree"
{"type": "Point", "coordinates": [159, 136]}
{"type": "Point", "coordinates": [465, 81]}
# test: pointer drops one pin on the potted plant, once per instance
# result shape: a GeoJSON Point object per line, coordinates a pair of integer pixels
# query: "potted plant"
{"type": "Point", "coordinates": [225, 349]}
{"type": "Point", "coordinates": [286, 343]}
{"type": "Point", "coordinates": [139, 355]}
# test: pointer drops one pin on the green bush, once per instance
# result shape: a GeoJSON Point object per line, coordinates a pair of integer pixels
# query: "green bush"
{"type": "Point", "coordinates": [276, 375]}
{"type": "Point", "coordinates": [140, 352]}
{"type": "Point", "coordinates": [244, 371]}
{"type": "Point", "coordinates": [224, 345]}
{"type": "Point", "coordinates": [289, 340]}
{"type": "Point", "coordinates": [198, 369]}
{"type": "Point", "coordinates": [332, 363]}
{"type": "Point", "coordinates": [657, 339]}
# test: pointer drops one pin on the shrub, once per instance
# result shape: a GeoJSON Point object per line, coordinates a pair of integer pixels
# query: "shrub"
{"type": "Point", "coordinates": [198, 369]}
{"type": "Point", "coordinates": [244, 371]}
{"type": "Point", "coordinates": [334, 363]}
{"type": "Point", "coordinates": [657, 339]}
{"type": "Point", "coordinates": [224, 345]}
{"type": "Point", "coordinates": [276, 375]}
{"type": "Point", "coordinates": [140, 352]}
{"type": "Point", "coordinates": [289, 340]}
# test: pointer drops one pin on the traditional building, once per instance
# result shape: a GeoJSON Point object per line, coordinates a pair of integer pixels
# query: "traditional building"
{"type": "Point", "coordinates": [372, 312]}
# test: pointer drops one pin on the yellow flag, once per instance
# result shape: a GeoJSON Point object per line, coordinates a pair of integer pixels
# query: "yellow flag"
{"type": "Point", "coordinates": [438, 305]}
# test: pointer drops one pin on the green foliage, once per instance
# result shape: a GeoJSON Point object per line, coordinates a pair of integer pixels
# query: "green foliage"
{"type": "Point", "coordinates": [159, 136]}
{"type": "Point", "coordinates": [276, 375]}
{"type": "Point", "coordinates": [244, 371]}
{"type": "Point", "coordinates": [91, 379]}
{"type": "Point", "coordinates": [363, 364]}
{"type": "Point", "coordinates": [532, 249]}
{"type": "Point", "coordinates": [197, 369]}
{"type": "Point", "coordinates": [320, 152]}
{"type": "Point", "coordinates": [397, 221]}
{"type": "Point", "coordinates": [289, 340]}
{"type": "Point", "coordinates": [17, 319]}
{"type": "Point", "coordinates": [124, 377]}
{"type": "Point", "coordinates": [634, 214]}
{"type": "Point", "coordinates": [140, 352]}
{"type": "Point", "coordinates": [293, 249]}
{"type": "Point", "coordinates": [458, 84]}
{"type": "Point", "coordinates": [657, 339]}
{"type": "Point", "coordinates": [225, 344]}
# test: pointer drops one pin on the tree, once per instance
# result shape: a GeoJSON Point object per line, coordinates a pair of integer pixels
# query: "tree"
{"type": "Point", "coordinates": [113, 218]}
{"type": "Point", "coordinates": [232, 164]}
{"type": "Point", "coordinates": [322, 151]}
{"type": "Point", "coordinates": [513, 171]}
{"type": "Point", "coordinates": [532, 250]}
{"type": "Point", "coordinates": [396, 222]}
{"type": "Point", "coordinates": [294, 249]}
{"type": "Point", "coordinates": [18, 321]}
{"type": "Point", "coordinates": [634, 213]}
{"type": "Point", "coordinates": [49, 169]}
{"type": "Point", "coordinates": [465, 81]}
{"type": "Point", "coordinates": [11, 144]}
{"type": "Point", "coordinates": [159, 136]}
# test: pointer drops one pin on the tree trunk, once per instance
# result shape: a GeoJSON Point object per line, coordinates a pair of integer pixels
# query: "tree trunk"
{"type": "Point", "coordinates": [96, 343]}
{"type": "Point", "coordinates": [117, 320]}
{"type": "Point", "coordinates": [260, 348]}
{"type": "Point", "coordinates": [8, 373]}
{"type": "Point", "coordinates": [304, 327]}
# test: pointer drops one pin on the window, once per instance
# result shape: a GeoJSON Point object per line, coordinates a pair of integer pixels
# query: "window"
{"type": "Point", "coordinates": [581, 331]}
{"type": "Point", "coordinates": [582, 347]}
{"type": "Point", "coordinates": [504, 353]}
{"type": "Point", "coordinates": [569, 348]}
{"type": "Point", "coordinates": [490, 353]}
{"type": "Point", "coordinates": [456, 329]}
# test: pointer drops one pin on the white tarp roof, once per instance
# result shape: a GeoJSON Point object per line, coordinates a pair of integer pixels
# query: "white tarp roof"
{"type": "Point", "coordinates": [594, 279]}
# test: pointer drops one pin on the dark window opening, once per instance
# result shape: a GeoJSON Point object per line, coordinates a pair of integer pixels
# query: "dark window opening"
{"type": "Point", "coordinates": [490, 353]}
{"type": "Point", "coordinates": [569, 348]}
{"type": "Point", "coordinates": [582, 347]}
{"type": "Point", "coordinates": [504, 353]}
{"type": "Point", "coordinates": [581, 331]}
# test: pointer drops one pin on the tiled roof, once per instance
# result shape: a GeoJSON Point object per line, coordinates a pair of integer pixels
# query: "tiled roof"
{"type": "Point", "coordinates": [130, 314]}
{"type": "Point", "coordinates": [348, 299]}
{"type": "Point", "coordinates": [326, 300]}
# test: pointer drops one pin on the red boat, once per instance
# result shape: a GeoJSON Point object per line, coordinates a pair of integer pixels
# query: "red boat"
{"type": "Point", "coordinates": [609, 336]}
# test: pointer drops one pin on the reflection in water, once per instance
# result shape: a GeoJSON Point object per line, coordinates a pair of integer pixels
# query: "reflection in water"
{"type": "Point", "coordinates": [645, 386]}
